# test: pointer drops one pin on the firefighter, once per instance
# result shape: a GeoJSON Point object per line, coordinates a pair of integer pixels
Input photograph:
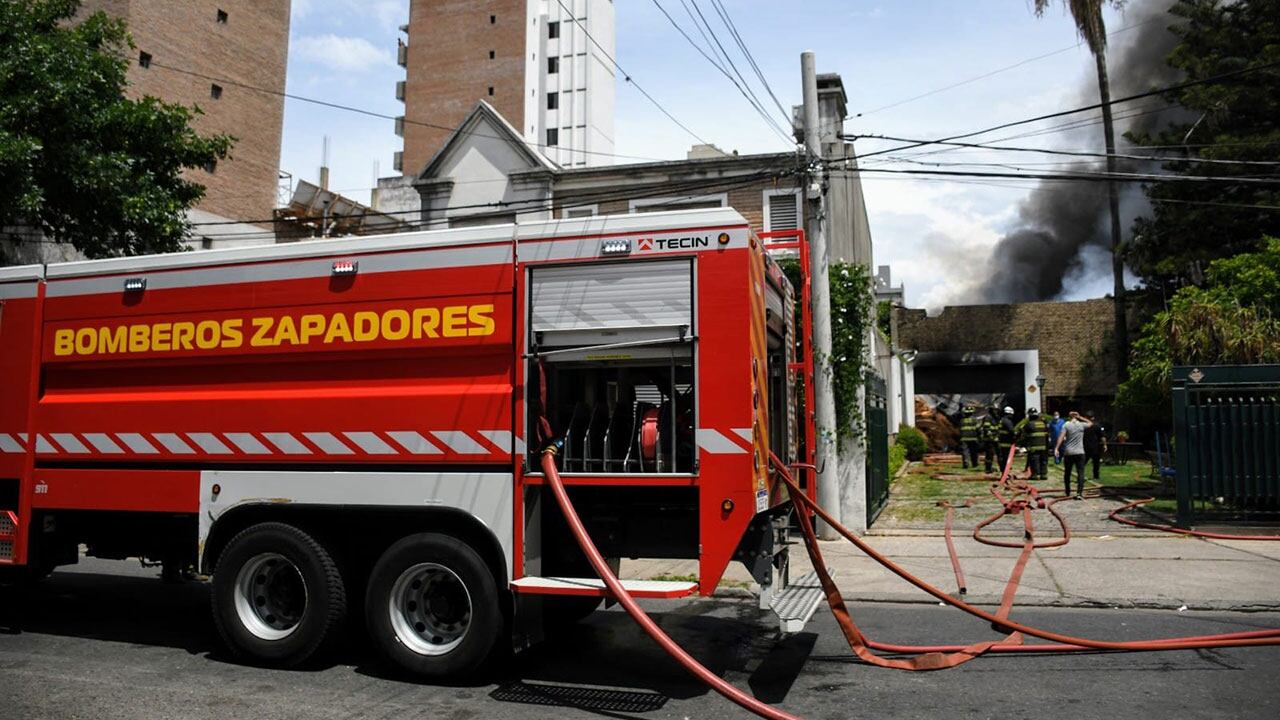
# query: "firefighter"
{"type": "Point", "coordinates": [1033, 434]}
{"type": "Point", "coordinates": [969, 439]}
{"type": "Point", "coordinates": [1006, 432]}
{"type": "Point", "coordinates": [987, 431]}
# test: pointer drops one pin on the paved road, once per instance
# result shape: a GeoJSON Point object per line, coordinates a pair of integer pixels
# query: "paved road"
{"type": "Point", "coordinates": [107, 642]}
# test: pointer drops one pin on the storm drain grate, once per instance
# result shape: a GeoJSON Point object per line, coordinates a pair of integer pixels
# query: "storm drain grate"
{"type": "Point", "coordinates": [582, 698]}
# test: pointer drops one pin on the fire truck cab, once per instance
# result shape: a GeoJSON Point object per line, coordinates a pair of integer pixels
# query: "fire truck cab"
{"type": "Point", "coordinates": [349, 430]}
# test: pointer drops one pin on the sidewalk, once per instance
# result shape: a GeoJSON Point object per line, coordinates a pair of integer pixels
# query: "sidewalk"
{"type": "Point", "coordinates": [1096, 569]}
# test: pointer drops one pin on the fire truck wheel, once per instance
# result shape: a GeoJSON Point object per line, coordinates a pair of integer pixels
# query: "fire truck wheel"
{"type": "Point", "coordinates": [432, 606]}
{"type": "Point", "coordinates": [278, 597]}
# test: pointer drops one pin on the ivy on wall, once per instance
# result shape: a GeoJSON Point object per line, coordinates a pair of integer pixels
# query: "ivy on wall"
{"type": "Point", "coordinates": [852, 314]}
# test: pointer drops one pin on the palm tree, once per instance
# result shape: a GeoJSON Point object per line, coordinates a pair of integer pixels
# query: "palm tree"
{"type": "Point", "coordinates": [1093, 30]}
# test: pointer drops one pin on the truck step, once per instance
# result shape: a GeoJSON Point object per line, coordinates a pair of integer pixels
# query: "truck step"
{"type": "Point", "coordinates": [594, 587]}
{"type": "Point", "coordinates": [797, 603]}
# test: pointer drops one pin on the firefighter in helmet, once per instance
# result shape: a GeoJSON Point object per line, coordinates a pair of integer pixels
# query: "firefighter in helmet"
{"type": "Point", "coordinates": [1006, 433]}
{"type": "Point", "coordinates": [1033, 434]}
{"type": "Point", "coordinates": [969, 438]}
{"type": "Point", "coordinates": [987, 431]}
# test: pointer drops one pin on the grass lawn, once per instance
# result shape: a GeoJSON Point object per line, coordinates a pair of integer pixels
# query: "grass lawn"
{"type": "Point", "coordinates": [914, 497]}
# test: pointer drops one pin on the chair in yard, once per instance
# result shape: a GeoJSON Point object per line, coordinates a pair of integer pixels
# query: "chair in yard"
{"type": "Point", "coordinates": [1162, 462]}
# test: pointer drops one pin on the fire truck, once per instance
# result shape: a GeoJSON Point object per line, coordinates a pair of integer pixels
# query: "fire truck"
{"type": "Point", "coordinates": [349, 430]}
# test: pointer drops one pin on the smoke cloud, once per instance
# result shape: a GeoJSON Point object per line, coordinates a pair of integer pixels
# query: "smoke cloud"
{"type": "Point", "coordinates": [1063, 230]}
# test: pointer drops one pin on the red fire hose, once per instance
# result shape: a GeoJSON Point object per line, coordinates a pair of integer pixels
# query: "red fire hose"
{"type": "Point", "coordinates": [633, 609]}
{"type": "Point", "coordinates": [1061, 642]}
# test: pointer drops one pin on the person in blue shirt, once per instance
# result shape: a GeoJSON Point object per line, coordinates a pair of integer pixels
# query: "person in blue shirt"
{"type": "Point", "coordinates": [1055, 429]}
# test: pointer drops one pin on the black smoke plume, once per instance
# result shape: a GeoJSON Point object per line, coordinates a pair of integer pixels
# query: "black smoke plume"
{"type": "Point", "coordinates": [1063, 233]}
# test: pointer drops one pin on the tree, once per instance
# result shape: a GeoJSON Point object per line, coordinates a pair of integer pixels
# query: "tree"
{"type": "Point", "coordinates": [80, 162]}
{"type": "Point", "coordinates": [1233, 320]}
{"type": "Point", "coordinates": [1237, 119]}
{"type": "Point", "coordinates": [1093, 30]}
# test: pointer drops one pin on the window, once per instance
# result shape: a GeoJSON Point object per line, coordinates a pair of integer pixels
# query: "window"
{"type": "Point", "coordinates": [553, 100]}
{"type": "Point", "coordinates": [493, 19]}
{"type": "Point", "coordinates": [144, 59]}
{"type": "Point", "coordinates": [222, 17]}
{"type": "Point", "coordinates": [491, 54]}
{"type": "Point", "coordinates": [211, 166]}
{"type": "Point", "coordinates": [490, 91]}
{"type": "Point", "coordinates": [553, 65]}
{"type": "Point", "coordinates": [553, 30]}
{"type": "Point", "coordinates": [578, 212]}
{"type": "Point", "coordinates": [781, 210]}
{"type": "Point", "coordinates": [553, 137]}
{"type": "Point", "coordinates": [215, 91]}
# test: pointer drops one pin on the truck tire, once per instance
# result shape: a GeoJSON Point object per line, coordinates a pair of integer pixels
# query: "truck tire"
{"type": "Point", "coordinates": [278, 597]}
{"type": "Point", "coordinates": [432, 606]}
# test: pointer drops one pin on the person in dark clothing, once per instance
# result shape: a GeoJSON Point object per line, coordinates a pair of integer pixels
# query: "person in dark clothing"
{"type": "Point", "coordinates": [969, 439]}
{"type": "Point", "coordinates": [987, 431]}
{"type": "Point", "coordinates": [1095, 444]}
{"type": "Point", "coordinates": [1005, 435]}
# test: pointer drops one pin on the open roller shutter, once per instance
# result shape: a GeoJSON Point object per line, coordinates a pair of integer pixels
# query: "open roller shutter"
{"type": "Point", "coordinates": [644, 297]}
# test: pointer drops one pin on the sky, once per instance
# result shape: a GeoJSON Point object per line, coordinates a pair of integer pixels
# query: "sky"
{"type": "Point", "coordinates": [934, 234]}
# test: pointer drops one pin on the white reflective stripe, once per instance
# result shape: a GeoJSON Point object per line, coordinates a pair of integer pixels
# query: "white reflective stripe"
{"type": "Point", "coordinates": [328, 444]}
{"type": "Point", "coordinates": [69, 442]}
{"type": "Point", "coordinates": [414, 442]}
{"type": "Point", "coordinates": [43, 446]}
{"type": "Point", "coordinates": [9, 445]}
{"type": "Point", "coordinates": [745, 434]}
{"type": "Point", "coordinates": [103, 443]}
{"type": "Point", "coordinates": [370, 443]}
{"type": "Point", "coordinates": [137, 443]}
{"type": "Point", "coordinates": [460, 442]}
{"type": "Point", "coordinates": [209, 443]}
{"type": "Point", "coordinates": [520, 446]}
{"type": "Point", "coordinates": [287, 443]}
{"type": "Point", "coordinates": [501, 438]}
{"type": "Point", "coordinates": [174, 444]}
{"type": "Point", "coordinates": [714, 442]}
{"type": "Point", "coordinates": [247, 443]}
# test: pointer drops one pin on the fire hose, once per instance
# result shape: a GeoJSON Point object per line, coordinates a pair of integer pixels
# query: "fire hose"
{"type": "Point", "coordinates": [930, 657]}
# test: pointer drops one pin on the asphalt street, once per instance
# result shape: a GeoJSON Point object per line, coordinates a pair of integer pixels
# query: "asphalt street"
{"type": "Point", "coordinates": [107, 640]}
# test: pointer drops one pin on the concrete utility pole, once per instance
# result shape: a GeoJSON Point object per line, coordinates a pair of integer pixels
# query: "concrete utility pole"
{"type": "Point", "coordinates": [819, 260]}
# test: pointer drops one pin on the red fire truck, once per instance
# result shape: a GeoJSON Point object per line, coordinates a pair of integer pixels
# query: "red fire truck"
{"type": "Point", "coordinates": [352, 426]}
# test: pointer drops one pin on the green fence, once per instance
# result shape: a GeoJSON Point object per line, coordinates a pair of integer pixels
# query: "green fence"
{"type": "Point", "coordinates": [877, 415]}
{"type": "Point", "coordinates": [1227, 434]}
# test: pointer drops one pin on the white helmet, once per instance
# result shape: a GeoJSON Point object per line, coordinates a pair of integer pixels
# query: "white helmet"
{"type": "Point", "coordinates": [1008, 410]}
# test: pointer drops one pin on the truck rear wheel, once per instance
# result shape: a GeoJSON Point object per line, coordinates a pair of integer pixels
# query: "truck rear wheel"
{"type": "Point", "coordinates": [432, 606]}
{"type": "Point", "coordinates": [278, 597]}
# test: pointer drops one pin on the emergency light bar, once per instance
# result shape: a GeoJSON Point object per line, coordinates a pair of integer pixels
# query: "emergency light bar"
{"type": "Point", "coordinates": [345, 267]}
{"type": "Point", "coordinates": [615, 247]}
{"type": "Point", "coordinates": [135, 284]}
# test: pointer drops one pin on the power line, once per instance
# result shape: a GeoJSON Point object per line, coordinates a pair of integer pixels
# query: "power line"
{"type": "Point", "coordinates": [733, 30]}
{"type": "Point", "coordinates": [372, 113]}
{"type": "Point", "coordinates": [1072, 153]}
{"type": "Point", "coordinates": [754, 102]}
{"type": "Point", "coordinates": [1085, 108]}
{"type": "Point", "coordinates": [627, 76]}
{"type": "Point", "coordinates": [997, 71]}
{"type": "Point", "coordinates": [732, 65]}
{"type": "Point", "coordinates": [1271, 180]}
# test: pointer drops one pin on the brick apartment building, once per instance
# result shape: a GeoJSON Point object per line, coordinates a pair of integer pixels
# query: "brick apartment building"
{"type": "Point", "coordinates": [245, 41]}
{"type": "Point", "coordinates": [543, 68]}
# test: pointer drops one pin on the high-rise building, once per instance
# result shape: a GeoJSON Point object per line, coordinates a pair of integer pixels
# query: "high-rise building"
{"type": "Point", "coordinates": [183, 50]}
{"type": "Point", "coordinates": [545, 65]}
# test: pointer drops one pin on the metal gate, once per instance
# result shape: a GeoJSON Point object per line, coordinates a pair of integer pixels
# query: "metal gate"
{"type": "Point", "coordinates": [1227, 434]}
{"type": "Point", "coordinates": [876, 412]}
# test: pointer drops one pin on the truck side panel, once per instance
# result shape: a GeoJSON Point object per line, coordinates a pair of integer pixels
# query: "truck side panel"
{"type": "Point", "coordinates": [294, 365]}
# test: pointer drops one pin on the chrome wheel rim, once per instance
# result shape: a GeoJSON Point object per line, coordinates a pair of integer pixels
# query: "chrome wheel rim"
{"type": "Point", "coordinates": [270, 597]}
{"type": "Point", "coordinates": [430, 609]}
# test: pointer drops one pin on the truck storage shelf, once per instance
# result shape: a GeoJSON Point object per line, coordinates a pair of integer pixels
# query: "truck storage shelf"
{"type": "Point", "coordinates": [594, 587]}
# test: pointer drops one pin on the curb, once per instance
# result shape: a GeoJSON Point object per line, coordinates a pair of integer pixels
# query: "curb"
{"type": "Point", "coordinates": [1268, 605]}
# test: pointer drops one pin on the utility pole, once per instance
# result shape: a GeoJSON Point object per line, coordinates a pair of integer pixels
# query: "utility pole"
{"type": "Point", "coordinates": [826, 456]}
